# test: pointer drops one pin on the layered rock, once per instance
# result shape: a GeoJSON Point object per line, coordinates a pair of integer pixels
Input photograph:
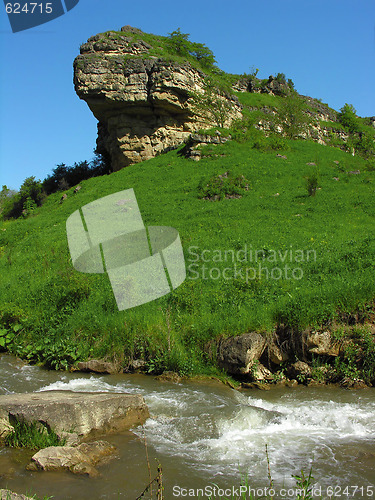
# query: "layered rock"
{"type": "Point", "coordinates": [86, 413]}
{"type": "Point", "coordinates": [143, 103]}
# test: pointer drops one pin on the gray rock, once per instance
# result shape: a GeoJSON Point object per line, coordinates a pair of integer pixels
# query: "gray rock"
{"type": "Point", "coordinates": [85, 413]}
{"type": "Point", "coordinates": [169, 376]}
{"type": "Point", "coordinates": [237, 354]}
{"type": "Point", "coordinates": [130, 29]}
{"type": "Point", "coordinates": [98, 366]}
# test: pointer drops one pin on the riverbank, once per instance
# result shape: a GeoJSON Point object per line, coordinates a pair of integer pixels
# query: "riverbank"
{"type": "Point", "coordinates": [51, 313]}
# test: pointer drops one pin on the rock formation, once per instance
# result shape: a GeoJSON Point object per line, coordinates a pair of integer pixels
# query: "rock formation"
{"type": "Point", "coordinates": [87, 413]}
{"type": "Point", "coordinates": [143, 103]}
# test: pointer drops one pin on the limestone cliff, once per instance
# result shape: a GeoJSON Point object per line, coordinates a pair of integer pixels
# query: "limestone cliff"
{"type": "Point", "coordinates": [143, 102]}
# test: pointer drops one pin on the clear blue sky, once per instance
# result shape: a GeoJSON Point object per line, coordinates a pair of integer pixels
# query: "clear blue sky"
{"type": "Point", "coordinates": [327, 47]}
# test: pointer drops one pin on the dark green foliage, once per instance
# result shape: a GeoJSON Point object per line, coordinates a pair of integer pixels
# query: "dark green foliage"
{"type": "Point", "coordinates": [32, 435]}
{"type": "Point", "coordinates": [361, 133]}
{"type": "Point", "coordinates": [203, 55]}
{"type": "Point", "coordinates": [179, 43]}
{"type": "Point", "coordinates": [358, 357]}
{"type": "Point", "coordinates": [292, 115]}
{"type": "Point", "coordinates": [348, 118]}
{"type": "Point", "coordinates": [312, 183]}
{"type": "Point", "coordinates": [280, 77]}
{"type": "Point", "coordinates": [30, 196]}
{"type": "Point", "coordinates": [222, 186]}
{"type": "Point", "coordinates": [64, 176]}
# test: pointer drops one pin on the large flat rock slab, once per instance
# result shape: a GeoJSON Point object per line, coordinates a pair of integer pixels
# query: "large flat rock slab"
{"type": "Point", "coordinates": [84, 413]}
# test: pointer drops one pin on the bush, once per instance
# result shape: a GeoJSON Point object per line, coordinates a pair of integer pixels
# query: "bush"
{"type": "Point", "coordinates": [294, 119]}
{"type": "Point", "coordinates": [272, 143]}
{"type": "Point", "coordinates": [223, 186]}
{"type": "Point", "coordinates": [312, 182]}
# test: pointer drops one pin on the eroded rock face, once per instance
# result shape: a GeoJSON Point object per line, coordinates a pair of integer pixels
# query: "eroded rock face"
{"type": "Point", "coordinates": [143, 103]}
{"type": "Point", "coordinates": [238, 354]}
{"type": "Point", "coordinates": [322, 343]}
{"type": "Point", "coordinates": [84, 413]}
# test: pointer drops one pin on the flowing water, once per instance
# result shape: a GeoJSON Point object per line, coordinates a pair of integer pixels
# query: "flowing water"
{"type": "Point", "coordinates": [206, 433]}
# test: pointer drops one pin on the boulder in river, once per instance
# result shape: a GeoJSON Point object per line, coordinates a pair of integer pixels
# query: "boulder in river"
{"type": "Point", "coordinates": [98, 366]}
{"type": "Point", "coordinates": [84, 413]}
{"type": "Point", "coordinates": [79, 460]}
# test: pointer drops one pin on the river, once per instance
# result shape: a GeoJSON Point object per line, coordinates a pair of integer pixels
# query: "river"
{"type": "Point", "coordinates": [206, 434]}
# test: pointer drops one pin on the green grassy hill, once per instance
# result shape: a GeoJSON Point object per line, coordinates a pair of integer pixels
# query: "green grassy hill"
{"type": "Point", "coordinates": [288, 242]}
{"type": "Point", "coordinates": [49, 312]}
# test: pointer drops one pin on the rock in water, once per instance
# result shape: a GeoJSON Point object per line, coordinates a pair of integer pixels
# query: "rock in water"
{"type": "Point", "coordinates": [142, 102]}
{"type": "Point", "coordinates": [79, 460]}
{"type": "Point", "coordinates": [86, 413]}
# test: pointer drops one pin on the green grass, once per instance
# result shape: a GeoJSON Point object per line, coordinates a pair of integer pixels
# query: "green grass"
{"type": "Point", "coordinates": [32, 435]}
{"type": "Point", "coordinates": [62, 316]}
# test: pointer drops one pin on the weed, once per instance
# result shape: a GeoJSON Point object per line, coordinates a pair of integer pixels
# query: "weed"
{"type": "Point", "coordinates": [32, 435]}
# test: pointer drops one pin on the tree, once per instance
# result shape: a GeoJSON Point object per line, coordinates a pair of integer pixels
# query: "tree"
{"type": "Point", "coordinates": [212, 105]}
{"type": "Point", "coordinates": [348, 118]}
{"type": "Point", "coordinates": [30, 196]}
{"type": "Point", "coordinates": [179, 42]}
{"type": "Point", "coordinates": [294, 119]}
{"type": "Point", "coordinates": [202, 54]}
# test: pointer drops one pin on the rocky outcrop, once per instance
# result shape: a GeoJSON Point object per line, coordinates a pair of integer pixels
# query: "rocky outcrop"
{"type": "Point", "coordinates": [238, 354]}
{"type": "Point", "coordinates": [84, 413]}
{"type": "Point", "coordinates": [143, 103]}
{"type": "Point", "coordinates": [272, 86]}
{"type": "Point", "coordinates": [192, 148]}
{"type": "Point", "coordinates": [82, 459]}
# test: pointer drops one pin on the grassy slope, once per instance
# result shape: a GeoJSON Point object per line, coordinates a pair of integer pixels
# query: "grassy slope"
{"type": "Point", "coordinates": [62, 315]}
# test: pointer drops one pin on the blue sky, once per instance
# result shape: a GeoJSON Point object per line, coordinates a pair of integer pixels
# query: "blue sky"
{"type": "Point", "coordinates": [327, 47]}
